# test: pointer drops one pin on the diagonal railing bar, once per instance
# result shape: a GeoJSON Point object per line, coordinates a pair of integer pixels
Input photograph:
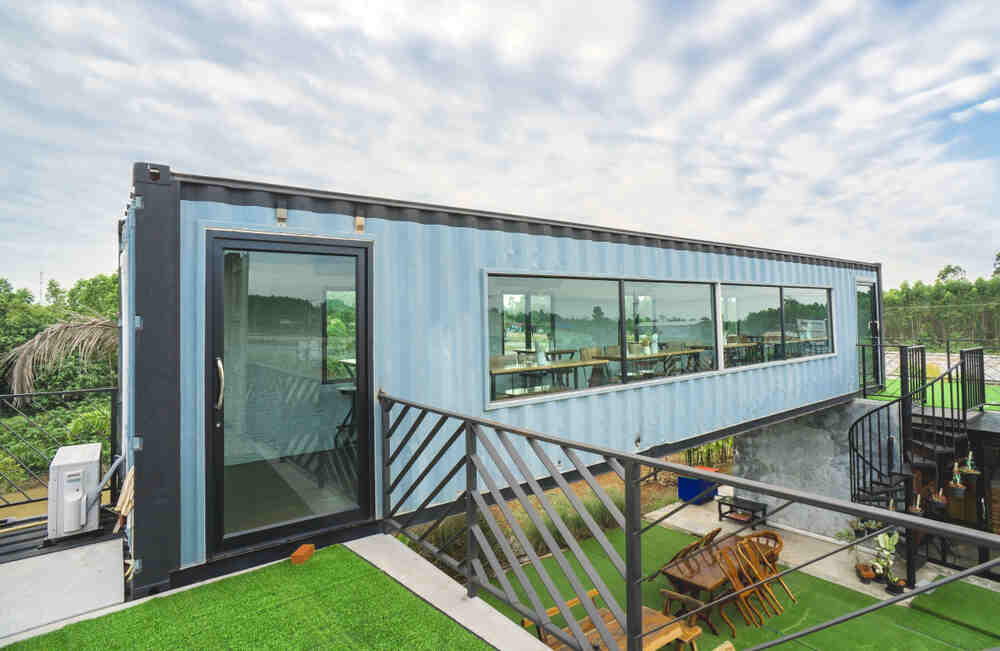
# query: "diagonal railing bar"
{"type": "Point", "coordinates": [551, 629]}
{"type": "Point", "coordinates": [769, 579]}
{"type": "Point", "coordinates": [533, 558]}
{"type": "Point", "coordinates": [23, 465]}
{"type": "Point", "coordinates": [18, 436]}
{"type": "Point", "coordinates": [399, 419]}
{"type": "Point", "coordinates": [437, 489]}
{"type": "Point", "coordinates": [413, 430]}
{"type": "Point", "coordinates": [447, 512]}
{"type": "Point", "coordinates": [550, 541]}
{"type": "Point", "coordinates": [498, 570]}
{"type": "Point", "coordinates": [28, 418]}
{"type": "Point", "coordinates": [508, 551]}
{"type": "Point", "coordinates": [933, 585]}
{"type": "Point", "coordinates": [16, 487]}
{"type": "Point", "coordinates": [616, 466]}
{"type": "Point", "coordinates": [588, 519]}
{"type": "Point", "coordinates": [436, 551]}
{"type": "Point", "coordinates": [588, 477]}
{"type": "Point", "coordinates": [684, 505]}
{"type": "Point", "coordinates": [560, 525]}
{"type": "Point", "coordinates": [430, 466]}
{"type": "Point", "coordinates": [420, 450]}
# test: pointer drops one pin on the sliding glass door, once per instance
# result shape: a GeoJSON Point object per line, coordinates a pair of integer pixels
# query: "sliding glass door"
{"type": "Point", "coordinates": [288, 427]}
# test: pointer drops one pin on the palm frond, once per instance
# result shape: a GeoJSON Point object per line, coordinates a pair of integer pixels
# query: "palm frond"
{"type": "Point", "coordinates": [90, 338]}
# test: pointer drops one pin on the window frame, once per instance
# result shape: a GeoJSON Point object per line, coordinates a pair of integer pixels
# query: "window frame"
{"type": "Point", "coordinates": [716, 286]}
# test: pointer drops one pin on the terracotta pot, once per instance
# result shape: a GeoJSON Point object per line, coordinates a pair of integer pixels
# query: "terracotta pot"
{"type": "Point", "coordinates": [864, 572]}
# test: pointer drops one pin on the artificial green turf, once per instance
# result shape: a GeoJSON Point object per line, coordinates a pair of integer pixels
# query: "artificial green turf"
{"type": "Point", "coordinates": [940, 396]}
{"type": "Point", "coordinates": [335, 601]}
{"type": "Point", "coordinates": [894, 627]}
{"type": "Point", "coordinates": [964, 603]}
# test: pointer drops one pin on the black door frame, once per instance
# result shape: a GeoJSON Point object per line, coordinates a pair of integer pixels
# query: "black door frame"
{"type": "Point", "coordinates": [217, 544]}
{"type": "Point", "coordinates": [874, 327]}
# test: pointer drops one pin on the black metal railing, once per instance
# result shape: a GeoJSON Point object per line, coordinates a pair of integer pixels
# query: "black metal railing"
{"type": "Point", "coordinates": [33, 426]}
{"type": "Point", "coordinates": [870, 368]}
{"type": "Point", "coordinates": [973, 378]}
{"type": "Point", "coordinates": [509, 518]}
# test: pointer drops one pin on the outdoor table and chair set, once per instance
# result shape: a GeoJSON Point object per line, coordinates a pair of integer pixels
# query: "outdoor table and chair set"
{"type": "Point", "coordinates": [700, 573]}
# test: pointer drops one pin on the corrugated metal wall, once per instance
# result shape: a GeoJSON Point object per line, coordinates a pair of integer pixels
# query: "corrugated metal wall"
{"type": "Point", "coordinates": [430, 340]}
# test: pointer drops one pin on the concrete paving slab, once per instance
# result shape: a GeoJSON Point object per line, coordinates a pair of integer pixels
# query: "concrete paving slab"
{"type": "Point", "coordinates": [438, 589]}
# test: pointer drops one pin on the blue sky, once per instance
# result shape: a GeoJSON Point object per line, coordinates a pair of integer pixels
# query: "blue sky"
{"type": "Point", "coordinates": [864, 130]}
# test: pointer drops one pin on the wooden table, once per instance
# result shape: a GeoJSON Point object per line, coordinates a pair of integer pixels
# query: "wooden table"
{"type": "Point", "coordinates": [575, 366]}
{"type": "Point", "coordinates": [700, 572]}
{"type": "Point", "coordinates": [650, 619]}
{"type": "Point", "coordinates": [662, 356]}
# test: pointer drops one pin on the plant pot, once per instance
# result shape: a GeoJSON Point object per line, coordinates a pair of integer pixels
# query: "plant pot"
{"type": "Point", "coordinates": [865, 572]}
{"type": "Point", "coordinates": [880, 578]}
{"type": "Point", "coordinates": [957, 492]}
{"type": "Point", "coordinates": [896, 588]}
{"type": "Point", "coordinates": [860, 533]}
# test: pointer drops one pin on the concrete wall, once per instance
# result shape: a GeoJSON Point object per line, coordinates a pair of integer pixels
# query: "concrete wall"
{"type": "Point", "coordinates": [809, 453]}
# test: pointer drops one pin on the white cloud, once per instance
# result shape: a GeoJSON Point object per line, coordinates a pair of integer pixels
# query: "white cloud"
{"type": "Point", "coordinates": [826, 127]}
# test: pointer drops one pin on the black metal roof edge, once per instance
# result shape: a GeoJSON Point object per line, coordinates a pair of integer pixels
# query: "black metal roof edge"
{"type": "Point", "coordinates": [671, 241]}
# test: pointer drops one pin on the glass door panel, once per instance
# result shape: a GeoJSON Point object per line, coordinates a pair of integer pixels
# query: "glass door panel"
{"type": "Point", "coordinates": [869, 344]}
{"type": "Point", "coordinates": [290, 446]}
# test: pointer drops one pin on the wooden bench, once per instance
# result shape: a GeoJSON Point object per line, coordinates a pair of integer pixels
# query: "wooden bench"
{"type": "Point", "coordinates": [742, 510]}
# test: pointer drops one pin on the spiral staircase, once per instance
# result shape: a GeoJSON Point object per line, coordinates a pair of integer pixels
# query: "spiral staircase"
{"type": "Point", "coordinates": [908, 446]}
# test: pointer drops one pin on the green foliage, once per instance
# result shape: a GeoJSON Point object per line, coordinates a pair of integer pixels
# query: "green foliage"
{"type": "Point", "coordinates": [953, 308]}
{"type": "Point", "coordinates": [21, 318]}
{"type": "Point", "coordinates": [951, 272]}
{"type": "Point", "coordinates": [36, 434]}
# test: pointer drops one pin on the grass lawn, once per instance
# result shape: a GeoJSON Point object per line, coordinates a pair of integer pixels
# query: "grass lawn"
{"type": "Point", "coordinates": [892, 628]}
{"type": "Point", "coordinates": [963, 603]}
{"type": "Point", "coordinates": [891, 392]}
{"type": "Point", "coordinates": [337, 600]}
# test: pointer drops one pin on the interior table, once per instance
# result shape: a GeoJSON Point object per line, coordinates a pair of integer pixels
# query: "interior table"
{"type": "Point", "coordinates": [551, 367]}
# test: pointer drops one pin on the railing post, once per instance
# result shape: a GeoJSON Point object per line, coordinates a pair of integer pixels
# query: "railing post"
{"type": "Point", "coordinates": [864, 372]}
{"type": "Point", "coordinates": [906, 407]}
{"type": "Point", "coordinates": [633, 557]}
{"type": "Point", "coordinates": [471, 515]}
{"type": "Point", "coordinates": [911, 542]}
{"type": "Point", "coordinates": [115, 445]}
{"type": "Point", "coordinates": [384, 407]}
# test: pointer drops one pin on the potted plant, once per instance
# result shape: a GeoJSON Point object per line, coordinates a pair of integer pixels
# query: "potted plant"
{"type": "Point", "coordinates": [863, 570]}
{"type": "Point", "coordinates": [938, 502]}
{"type": "Point", "coordinates": [858, 527]}
{"type": "Point", "coordinates": [873, 525]}
{"type": "Point", "coordinates": [885, 553]}
{"type": "Point", "coordinates": [894, 584]}
{"type": "Point", "coordinates": [956, 486]}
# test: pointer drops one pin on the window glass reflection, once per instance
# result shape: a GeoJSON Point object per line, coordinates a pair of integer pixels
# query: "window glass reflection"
{"type": "Point", "coordinates": [807, 322]}
{"type": "Point", "coordinates": [669, 329]}
{"type": "Point", "coordinates": [751, 324]}
{"type": "Point", "coordinates": [549, 335]}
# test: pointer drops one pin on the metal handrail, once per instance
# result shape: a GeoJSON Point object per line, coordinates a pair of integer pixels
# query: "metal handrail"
{"type": "Point", "coordinates": [15, 402]}
{"type": "Point", "coordinates": [496, 471]}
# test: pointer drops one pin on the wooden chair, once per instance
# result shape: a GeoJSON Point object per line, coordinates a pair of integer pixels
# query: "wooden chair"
{"type": "Point", "coordinates": [598, 375]}
{"type": "Point", "coordinates": [730, 567]}
{"type": "Point", "coordinates": [770, 543]}
{"type": "Point", "coordinates": [752, 562]}
{"type": "Point", "coordinates": [768, 566]}
{"type": "Point", "coordinates": [689, 625]}
{"type": "Point", "coordinates": [706, 540]}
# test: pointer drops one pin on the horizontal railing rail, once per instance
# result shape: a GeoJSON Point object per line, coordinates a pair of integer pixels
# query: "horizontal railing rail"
{"type": "Point", "coordinates": [508, 517]}
{"type": "Point", "coordinates": [33, 426]}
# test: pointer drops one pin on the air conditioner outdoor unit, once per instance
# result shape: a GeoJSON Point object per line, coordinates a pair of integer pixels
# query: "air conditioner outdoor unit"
{"type": "Point", "coordinates": [74, 478]}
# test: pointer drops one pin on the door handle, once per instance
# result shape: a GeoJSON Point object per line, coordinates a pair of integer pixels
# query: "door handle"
{"type": "Point", "coordinates": [222, 382]}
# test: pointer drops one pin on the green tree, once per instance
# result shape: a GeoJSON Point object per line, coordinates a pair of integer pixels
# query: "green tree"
{"type": "Point", "coordinates": [96, 296]}
{"type": "Point", "coordinates": [950, 272]}
{"type": "Point", "coordinates": [996, 265]}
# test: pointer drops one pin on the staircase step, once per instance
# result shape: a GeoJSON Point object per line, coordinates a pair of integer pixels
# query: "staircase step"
{"type": "Point", "coordinates": [936, 448]}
